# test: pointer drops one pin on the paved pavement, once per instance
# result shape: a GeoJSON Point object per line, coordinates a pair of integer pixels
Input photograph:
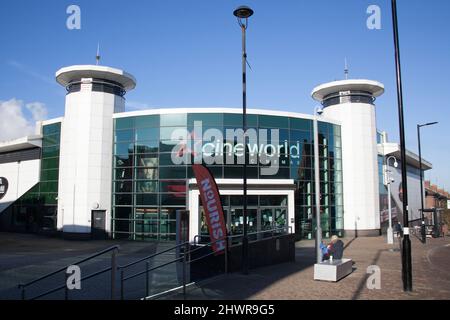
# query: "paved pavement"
{"type": "Point", "coordinates": [431, 276]}
{"type": "Point", "coordinates": [23, 257]}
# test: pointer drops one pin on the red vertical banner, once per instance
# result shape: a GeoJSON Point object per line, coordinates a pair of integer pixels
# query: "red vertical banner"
{"type": "Point", "coordinates": [210, 198]}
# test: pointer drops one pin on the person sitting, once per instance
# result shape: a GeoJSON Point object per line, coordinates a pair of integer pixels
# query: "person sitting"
{"type": "Point", "coordinates": [324, 249]}
{"type": "Point", "coordinates": [336, 248]}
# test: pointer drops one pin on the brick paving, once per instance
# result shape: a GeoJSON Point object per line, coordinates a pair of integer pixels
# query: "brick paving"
{"type": "Point", "coordinates": [431, 276]}
{"type": "Point", "coordinates": [24, 257]}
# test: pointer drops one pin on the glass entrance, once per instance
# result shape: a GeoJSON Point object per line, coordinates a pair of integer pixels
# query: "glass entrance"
{"type": "Point", "coordinates": [260, 218]}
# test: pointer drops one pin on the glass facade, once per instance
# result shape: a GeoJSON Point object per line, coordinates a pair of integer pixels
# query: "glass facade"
{"type": "Point", "coordinates": [36, 210]}
{"type": "Point", "coordinates": [153, 157]}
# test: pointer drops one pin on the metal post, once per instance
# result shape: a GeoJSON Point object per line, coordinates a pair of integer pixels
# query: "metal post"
{"type": "Point", "coordinates": [422, 226]}
{"type": "Point", "coordinates": [390, 235]}
{"type": "Point", "coordinates": [226, 255]}
{"type": "Point", "coordinates": [317, 191]}
{"type": "Point", "coordinates": [244, 175]}
{"type": "Point", "coordinates": [147, 278]}
{"type": "Point", "coordinates": [121, 283]}
{"type": "Point", "coordinates": [406, 248]}
{"type": "Point", "coordinates": [22, 294]}
{"type": "Point", "coordinates": [113, 273]}
{"type": "Point", "coordinates": [66, 289]}
{"type": "Point", "coordinates": [184, 269]}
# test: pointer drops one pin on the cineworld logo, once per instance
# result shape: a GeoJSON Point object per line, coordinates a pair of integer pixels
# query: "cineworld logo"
{"type": "Point", "coordinates": [3, 187]}
{"type": "Point", "coordinates": [208, 147]}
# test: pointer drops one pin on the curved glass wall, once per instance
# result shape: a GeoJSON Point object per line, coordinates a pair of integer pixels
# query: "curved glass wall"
{"type": "Point", "coordinates": [153, 157]}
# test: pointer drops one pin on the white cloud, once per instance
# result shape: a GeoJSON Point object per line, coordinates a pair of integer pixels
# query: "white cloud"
{"type": "Point", "coordinates": [38, 110]}
{"type": "Point", "coordinates": [14, 123]}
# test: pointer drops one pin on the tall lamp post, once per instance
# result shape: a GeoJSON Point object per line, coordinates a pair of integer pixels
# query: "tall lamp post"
{"type": "Point", "coordinates": [242, 14]}
{"type": "Point", "coordinates": [317, 111]}
{"type": "Point", "coordinates": [422, 227]}
{"type": "Point", "coordinates": [389, 180]}
{"type": "Point", "coordinates": [406, 247]}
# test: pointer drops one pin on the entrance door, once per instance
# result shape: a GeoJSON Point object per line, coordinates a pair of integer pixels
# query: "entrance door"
{"type": "Point", "coordinates": [98, 225]}
{"type": "Point", "coordinates": [236, 225]}
{"type": "Point", "coordinates": [271, 219]}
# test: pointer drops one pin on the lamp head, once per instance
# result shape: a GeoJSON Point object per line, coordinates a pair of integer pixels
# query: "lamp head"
{"type": "Point", "coordinates": [395, 164]}
{"type": "Point", "coordinates": [243, 12]}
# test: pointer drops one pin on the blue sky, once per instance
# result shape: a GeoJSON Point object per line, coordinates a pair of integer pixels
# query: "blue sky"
{"type": "Point", "coordinates": [186, 53]}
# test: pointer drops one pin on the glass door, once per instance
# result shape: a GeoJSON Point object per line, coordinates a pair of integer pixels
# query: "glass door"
{"type": "Point", "coordinates": [280, 219]}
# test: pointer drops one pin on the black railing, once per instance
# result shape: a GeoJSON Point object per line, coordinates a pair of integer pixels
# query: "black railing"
{"type": "Point", "coordinates": [112, 268]}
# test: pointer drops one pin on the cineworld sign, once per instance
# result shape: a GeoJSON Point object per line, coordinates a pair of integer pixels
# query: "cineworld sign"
{"type": "Point", "coordinates": [3, 187]}
{"type": "Point", "coordinates": [212, 147]}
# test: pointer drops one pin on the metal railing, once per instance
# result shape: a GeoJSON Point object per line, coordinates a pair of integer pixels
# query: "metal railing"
{"type": "Point", "coordinates": [186, 257]}
{"type": "Point", "coordinates": [240, 235]}
{"type": "Point", "coordinates": [112, 268]}
{"type": "Point", "coordinates": [147, 267]}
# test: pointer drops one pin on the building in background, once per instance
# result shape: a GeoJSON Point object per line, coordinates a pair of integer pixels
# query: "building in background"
{"type": "Point", "coordinates": [436, 197]}
{"type": "Point", "coordinates": [100, 171]}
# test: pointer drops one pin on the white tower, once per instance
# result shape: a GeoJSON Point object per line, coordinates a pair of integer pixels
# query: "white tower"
{"type": "Point", "coordinates": [351, 102]}
{"type": "Point", "coordinates": [94, 93]}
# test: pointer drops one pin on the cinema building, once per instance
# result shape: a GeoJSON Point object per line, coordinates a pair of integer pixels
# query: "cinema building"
{"type": "Point", "coordinates": [100, 170]}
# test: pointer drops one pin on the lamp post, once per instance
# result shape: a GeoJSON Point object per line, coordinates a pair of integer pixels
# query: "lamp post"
{"type": "Point", "coordinates": [406, 247]}
{"type": "Point", "coordinates": [242, 14]}
{"type": "Point", "coordinates": [422, 227]}
{"type": "Point", "coordinates": [317, 110]}
{"type": "Point", "coordinates": [389, 180]}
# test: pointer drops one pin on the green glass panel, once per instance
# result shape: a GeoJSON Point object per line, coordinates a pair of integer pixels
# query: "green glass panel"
{"type": "Point", "coordinates": [207, 119]}
{"type": "Point", "coordinates": [147, 146]}
{"type": "Point", "coordinates": [173, 120]}
{"type": "Point", "coordinates": [50, 152]}
{"type": "Point", "coordinates": [300, 124]}
{"type": "Point", "coordinates": [50, 163]}
{"type": "Point", "coordinates": [235, 120]}
{"type": "Point", "coordinates": [146, 199]}
{"type": "Point", "coordinates": [49, 175]}
{"type": "Point", "coordinates": [51, 128]}
{"type": "Point", "coordinates": [125, 186]}
{"type": "Point", "coordinates": [147, 160]}
{"type": "Point", "coordinates": [145, 134]}
{"type": "Point", "coordinates": [51, 140]}
{"type": "Point", "coordinates": [147, 121]}
{"type": "Point", "coordinates": [273, 121]}
{"type": "Point", "coordinates": [178, 172]}
{"type": "Point", "coordinates": [147, 186]}
{"type": "Point", "coordinates": [147, 173]}
{"type": "Point", "coordinates": [124, 123]}
{"type": "Point", "coordinates": [124, 135]}
{"type": "Point", "coordinates": [123, 148]}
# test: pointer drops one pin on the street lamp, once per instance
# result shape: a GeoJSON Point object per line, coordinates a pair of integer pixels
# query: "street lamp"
{"type": "Point", "coordinates": [389, 180]}
{"type": "Point", "coordinates": [422, 228]}
{"type": "Point", "coordinates": [242, 14]}
{"type": "Point", "coordinates": [406, 247]}
{"type": "Point", "coordinates": [317, 111]}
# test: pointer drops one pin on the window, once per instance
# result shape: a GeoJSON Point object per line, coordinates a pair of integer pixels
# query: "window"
{"type": "Point", "coordinates": [173, 120]}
